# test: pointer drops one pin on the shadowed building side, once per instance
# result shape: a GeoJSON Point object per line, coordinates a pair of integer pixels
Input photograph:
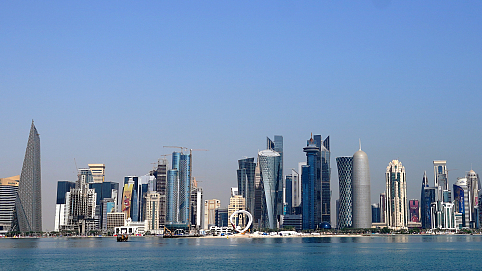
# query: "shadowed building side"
{"type": "Point", "coordinates": [29, 201]}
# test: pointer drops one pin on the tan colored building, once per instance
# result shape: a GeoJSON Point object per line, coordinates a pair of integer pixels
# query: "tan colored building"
{"type": "Point", "coordinates": [210, 207]}
{"type": "Point", "coordinates": [236, 203]}
{"type": "Point", "coordinates": [153, 202]}
{"type": "Point", "coordinates": [115, 220]}
{"type": "Point", "coordinates": [98, 172]}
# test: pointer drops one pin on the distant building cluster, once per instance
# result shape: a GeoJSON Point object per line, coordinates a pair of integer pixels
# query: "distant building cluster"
{"type": "Point", "coordinates": [168, 198]}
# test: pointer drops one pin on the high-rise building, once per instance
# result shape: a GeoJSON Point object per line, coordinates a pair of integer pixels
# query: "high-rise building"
{"type": "Point", "coordinates": [383, 208]}
{"type": "Point", "coordinates": [246, 186]}
{"type": "Point", "coordinates": [375, 213]}
{"type": "Point", "coordinates": [461, 201]}
{"type": "Point", "coordinates": [29, 201]}
{"type": "Point", "coordinates": [288, 195]}
{"type": "Point", "coordinates": [98, 172]}
{"type": "Point", "coordinates": [60, 215]}
{"type": "Point", "coordinates": [277, 146]}
{"type": "Point", "coordinates": [197, 208]}
{"type": "Point", "coordinates": [296, 188]}
{"type": "Point", "coordinates": [237, 203]}
{"type": "Point", "coordinates": [272, 183]}
{"type": "Point", "coordinates": [152, 210]}
{"type": "Point", "coordinates": [81, 204]}
{"type": "Point", "coordinates": [396, 196]}
{"type": "Point", "coordinates": [161, 185]}
{"type": "Point", "coordinates": [210, 207]}
{"type": "Point", "coordinates": [259, 199]}
{"type": "Point", "coordinates": [345, 213]}
{"type": "Point", "coordinates": [222, 218]}
{"type": "Point", "coordinates": [104, 190]}
{"type": "Point", "coordinates": [8, 194]}
{"type": "Point", "coordinates": [473, 186]}
{"type": "Point", "coordinates": [325, 154]}
{"type": "Point", "coordinates": [361, 190]}
{"type": "Point", "coordinates": [441, 174]}
{"type": "Point", "coordinates": [310, 178]}
{"type": "Point", "coordinates": [414, 215]}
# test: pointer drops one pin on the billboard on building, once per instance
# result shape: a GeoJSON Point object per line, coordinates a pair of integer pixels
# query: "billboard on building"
{"type": "Point", "coordinates": [127, 199]}
{"type": "Point", "coordinates": [414, 210]}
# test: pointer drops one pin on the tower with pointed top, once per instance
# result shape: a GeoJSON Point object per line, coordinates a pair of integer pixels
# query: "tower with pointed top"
{"type": "Point", "coordinates": [362, 213]}
{"type": "Point", "coordinates": [29, 202]}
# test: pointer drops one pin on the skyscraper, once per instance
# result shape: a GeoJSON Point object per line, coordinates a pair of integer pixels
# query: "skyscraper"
{"type": "Point", "coordinates": [383, 208]}
{"type": "Point", "coordinates": [60, 205]}
{"type": "Point", "coordinates": [461, 200]}
{"type": "Point", "coordinates": [8, 194]}
{"type": "Point", "coordinates": [178, 196]}
{"type": "Point", "coordinates": [310, 174]}
{"type": "Point", "coordinates": [98, 172]}
{"type": "Point", "coordinates": [473, 186]}
{"type": "Point", "coordinates": [210, 207]}
{"type": "Point", "coordinates": [441, 174]}
{"type": "Point", "coordinates": [361, 190]}
{"type": "Point", "coordinates": [269, 164]}
{"type": "Point", "coordinates": [161, 185]}
{"type": "Point", "coordinates": [29, 201]}
{"type": "Point", "coordinates": [246, 187]}
{"type": "Point", "coordinates": [277, 146]}
{"type": "Point", "coordinates": [345, 213]}
{"type": "Point", "coordinates": [396, 196]}
{"type": "Point", "coordinates": [414, 210]}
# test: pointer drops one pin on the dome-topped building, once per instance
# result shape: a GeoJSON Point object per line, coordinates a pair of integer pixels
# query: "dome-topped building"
{"type": "Point", "coordinates": [362, 213]}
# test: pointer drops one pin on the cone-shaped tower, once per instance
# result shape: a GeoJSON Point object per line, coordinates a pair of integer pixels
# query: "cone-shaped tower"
{"type": "Point", "coordinates": [29, 201]}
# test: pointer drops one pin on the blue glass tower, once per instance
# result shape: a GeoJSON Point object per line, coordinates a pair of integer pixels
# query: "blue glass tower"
{"type": "Point", "coordinates": [172, 196]}
{"type": "Point", "coordinates": [309, 180]}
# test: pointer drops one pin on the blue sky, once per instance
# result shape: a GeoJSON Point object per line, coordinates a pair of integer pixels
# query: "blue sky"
{"type": "Point", "coordinates": [113, 82]}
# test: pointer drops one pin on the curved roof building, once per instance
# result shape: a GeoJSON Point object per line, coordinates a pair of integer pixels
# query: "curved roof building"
{"type": "Point", "coordinates": [362, 213]}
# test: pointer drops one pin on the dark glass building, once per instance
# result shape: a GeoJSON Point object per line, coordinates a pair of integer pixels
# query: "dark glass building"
{"type": "Point", "coordinates": [375, 213]}
{"type": "Point", "coordinates": [345, 213]}
{"type": "Point", "coordinates": [246, 186]}
{"type": "Point", "coordinates": [309, 180]}
{"type": "Point", "coordinates": [62, 188]}
{"type": "Point", "coordinates": [222, 217]}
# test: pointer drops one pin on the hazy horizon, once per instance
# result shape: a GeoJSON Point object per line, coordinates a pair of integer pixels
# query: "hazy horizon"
{"type": "Point", "coordinates": [114, 82]}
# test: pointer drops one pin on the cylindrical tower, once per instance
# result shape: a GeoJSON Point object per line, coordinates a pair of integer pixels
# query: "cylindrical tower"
{"type": "Point", "coordinates": [362, 213]}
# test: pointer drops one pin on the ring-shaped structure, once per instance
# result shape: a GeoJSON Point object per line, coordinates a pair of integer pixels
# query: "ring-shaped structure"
{"type": "Point", "coordinates": [237, 228]}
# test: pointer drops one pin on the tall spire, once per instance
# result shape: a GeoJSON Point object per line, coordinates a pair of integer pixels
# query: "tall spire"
{"type": "Point", "coordinates": [359, 141]}
{"type": "Point", "coordinates": [29, 202]}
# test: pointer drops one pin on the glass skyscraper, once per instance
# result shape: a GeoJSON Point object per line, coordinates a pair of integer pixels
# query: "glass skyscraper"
{"type": "Point", "coordinates": [309, 181]}
{"type": "Point", "coordinates": [345, 167]}
{"type": "Point", "coordinates": [246, 176]}
{"type": "Point", "coordinates": [270, 173]}
{"type": "Point", "coordinates": [29, 201]}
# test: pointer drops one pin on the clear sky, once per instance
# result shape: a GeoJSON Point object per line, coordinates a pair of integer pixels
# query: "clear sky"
{"type": "Point", "coordinates": [114, 81]}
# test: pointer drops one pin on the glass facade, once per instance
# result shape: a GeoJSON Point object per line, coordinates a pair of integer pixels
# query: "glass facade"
{"type": "Point", "coordinates": [246, 179]}
{"type": "Point", "coordinates": [29, 200]}
{"type": "Point", "coordinates": [310, 181]}
{"type": "Point", "coordinates": [62, 188]}
{"type": "Point", "coordinates": [269, 162]}
{"type": "Point", "coordinates": [172, 196]}
{"type": "Point", "coordinates": [345, 167]}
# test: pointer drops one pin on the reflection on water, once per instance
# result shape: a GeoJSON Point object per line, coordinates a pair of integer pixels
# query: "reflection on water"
{"type": "Point", "coordinates": [338, 252]}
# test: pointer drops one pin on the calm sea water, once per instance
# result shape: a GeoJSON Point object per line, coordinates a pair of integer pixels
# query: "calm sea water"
{"type": "Point", "coordinates": [342, 253]}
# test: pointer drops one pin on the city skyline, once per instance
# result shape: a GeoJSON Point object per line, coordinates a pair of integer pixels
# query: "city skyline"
{"type": "Point", "coordinates": [224, 76]}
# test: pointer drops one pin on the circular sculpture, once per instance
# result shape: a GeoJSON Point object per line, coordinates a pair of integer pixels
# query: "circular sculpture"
{"type": "Point", "coordinates": [237, 228]}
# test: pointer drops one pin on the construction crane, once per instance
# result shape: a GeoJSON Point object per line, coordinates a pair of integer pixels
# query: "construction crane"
{"type": "Point", "coordinates": [182, 148]}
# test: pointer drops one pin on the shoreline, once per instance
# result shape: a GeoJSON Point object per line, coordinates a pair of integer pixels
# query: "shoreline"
{"type": "Point", "coordinates": [252, 236]}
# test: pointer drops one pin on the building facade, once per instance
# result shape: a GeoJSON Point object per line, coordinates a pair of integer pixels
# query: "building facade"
{"type": "Point", "coordinates": [272, 184]}
{"type": "Point", "coordinates": [8, 194]}
{"type": "Point", "coordinates": [396, 189]}
{"type": "Point", "coordinates": [345, 211]}
{"type": "Point", "coordinates": [210, 207]}
{"type": "Point", "coordinates": [29, 201]}
{"type": "Point", "coordinates": [246, 186]}
{"type": "Point", "coordinates": [361, 190]}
